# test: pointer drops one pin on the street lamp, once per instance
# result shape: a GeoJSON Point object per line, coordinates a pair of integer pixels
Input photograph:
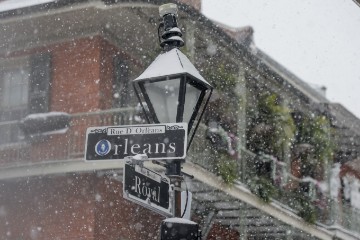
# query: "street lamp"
{"type": "Point", "coordinates": [171, 89]}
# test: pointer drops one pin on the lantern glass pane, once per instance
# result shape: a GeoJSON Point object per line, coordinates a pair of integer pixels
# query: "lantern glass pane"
{"type": "Point", "coordinates": [164, 97]}
{"type": "Point", "coordinates": [191, 99]}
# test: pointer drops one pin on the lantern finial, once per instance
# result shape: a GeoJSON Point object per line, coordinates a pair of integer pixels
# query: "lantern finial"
{"type": "Point", "coordinates": [171, 36]}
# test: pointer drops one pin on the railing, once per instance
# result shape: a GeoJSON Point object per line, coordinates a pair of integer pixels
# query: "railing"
{"type": "Point", "coordinates": [328, 211]}
{"type": "Point", "coordinates": [62, 145]}
{"type": "Point", "coordinates": [71, 144]}
{"type": "Point", "coordinates": [291, 191]}
{"type": "Point", "coordinates": [81, 121]}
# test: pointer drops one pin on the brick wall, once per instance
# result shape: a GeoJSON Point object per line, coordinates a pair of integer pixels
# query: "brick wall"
{"type": "Point", "coordinates": [81, 81]}
{"type": "Point", "coordinates": [117, 218]}
{"type": "Point", "coordinates": [74, 206]}
{"type": "Point", "coordinates": [76, 76]}
{"type": "Point", "coordinates": [59, 207]}
{"type": "Point", "coordinates": [219, 232]}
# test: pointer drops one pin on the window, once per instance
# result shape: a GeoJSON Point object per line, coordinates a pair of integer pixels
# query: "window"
{"type": "Point", "coordinates": [14, 94]}
{"type": "Point", "coordinates": [24, 89]}
{"type": "Point", "coordinates": [15, 88]}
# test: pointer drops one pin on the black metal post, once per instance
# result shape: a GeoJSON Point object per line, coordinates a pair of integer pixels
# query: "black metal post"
{"type": "Point", "coordinates": [169, 39]}
{"type": "Point", "coordinates": [173, 171]}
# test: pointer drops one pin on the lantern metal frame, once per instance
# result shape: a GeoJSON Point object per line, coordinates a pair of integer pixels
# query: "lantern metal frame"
{"type": "Point", "coordinates": [185, 79]}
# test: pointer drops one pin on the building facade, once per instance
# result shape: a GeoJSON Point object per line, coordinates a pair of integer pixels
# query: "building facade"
{"type": "Point", "coordinates": [257, 165]}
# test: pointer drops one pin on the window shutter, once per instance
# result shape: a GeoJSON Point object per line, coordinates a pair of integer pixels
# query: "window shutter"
{"type": "Point", "coordinates": [40, 71]}
{"type": "Point", "coordinates": [121, 85]}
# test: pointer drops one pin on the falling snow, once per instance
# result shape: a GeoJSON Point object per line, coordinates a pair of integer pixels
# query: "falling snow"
{"type": "Point", "coordinates": [270, 153]}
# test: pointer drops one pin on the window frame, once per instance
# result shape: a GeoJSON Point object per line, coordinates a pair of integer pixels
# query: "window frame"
{"type": "Point", "coordinates": [10, 115]}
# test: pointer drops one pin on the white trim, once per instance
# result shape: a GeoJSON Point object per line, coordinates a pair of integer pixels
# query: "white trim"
{"type": "Point", "coordinates": [16, 4]}
{"type": "Point", "coordinates": [56, 167]}
{"type": "Point", "coordinates": [77, 6]}
{"type": "Point", "coordinates": [61, 167]}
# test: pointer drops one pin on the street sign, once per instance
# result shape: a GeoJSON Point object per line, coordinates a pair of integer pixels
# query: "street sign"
{"type": "Point", "coordinates": [157, 141]}
{"type": "Point", "coordinates": [147, 188]}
